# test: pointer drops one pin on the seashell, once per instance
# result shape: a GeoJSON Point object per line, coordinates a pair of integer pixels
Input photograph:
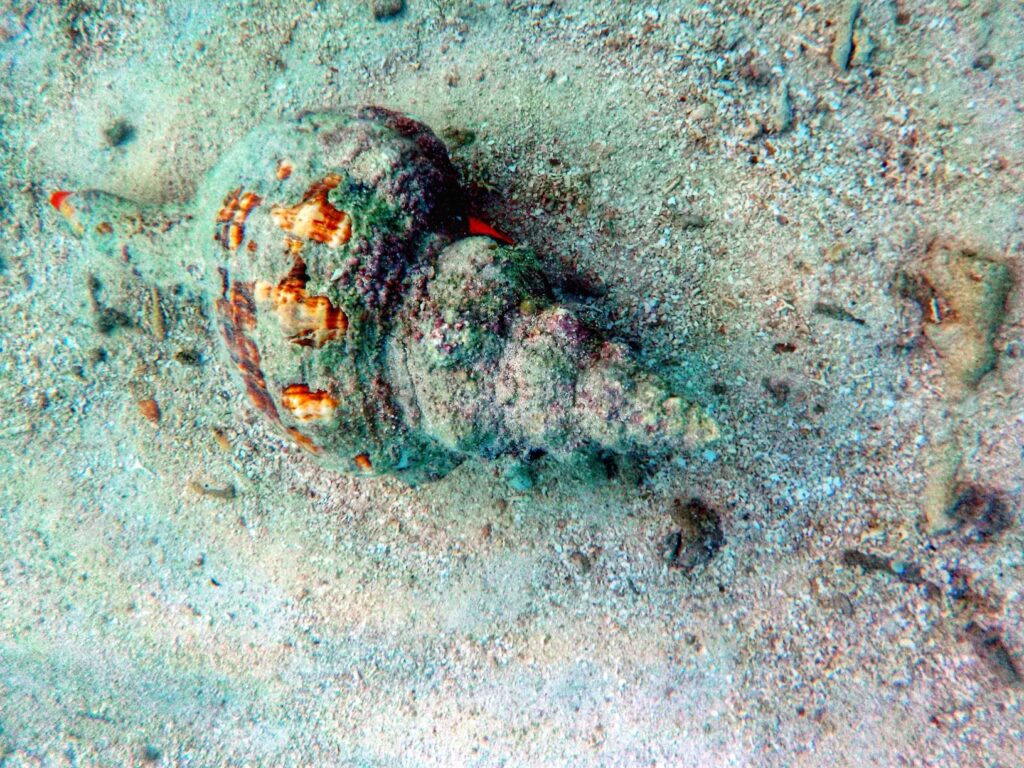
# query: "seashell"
{"type": "Point", "coordinates": [371, 320]}
{"type": "Point", "coordinates": [150, 410]}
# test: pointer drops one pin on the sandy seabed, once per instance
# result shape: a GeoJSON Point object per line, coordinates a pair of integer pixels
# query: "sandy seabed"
{"type": "Point", "coordinates": [763, 188]}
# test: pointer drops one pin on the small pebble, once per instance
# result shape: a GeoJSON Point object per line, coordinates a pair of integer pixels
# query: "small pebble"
{"type": "Point", "coordinates": [991, 649]}
{"type": "Point", "coordinates": [777, 388]}
{"type": "Point", "coordinates": [984, 61]}
{"type": "Point", "coordinates": [457, 137]}
{"type": "Point", "coordinates": [983, 512]}
{"type": "Point", "coordinates": [843, 47]}
{"type": "Point", "coordinates": [221, 438]}
{"type": "Point", "coordinates": [188, 356]}
{"type": "Point", "coordinates": [150, 410]}
{"type": "Point", "coordinates": [108, 319]}
{"type": "Point", "coordinates": [385, 9]}
{"type": "Point", "coordinates": [698, 538]}
{"type": "Point", "coordinates": [581, 561]}
{"type": "Point", "coordinates": [224, 492]}
{"type": "Point", "coordinates": [518, 477]}
{"type": "Point", "coordinates": [836, 313]}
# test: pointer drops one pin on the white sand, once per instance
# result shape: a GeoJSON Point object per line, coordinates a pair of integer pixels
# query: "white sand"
{"type": "Point", "coordinates": [321, 620]}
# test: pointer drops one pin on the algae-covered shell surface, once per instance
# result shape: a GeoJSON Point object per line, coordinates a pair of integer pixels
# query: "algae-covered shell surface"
{"type": "Point", "coordinates": [318, 228]}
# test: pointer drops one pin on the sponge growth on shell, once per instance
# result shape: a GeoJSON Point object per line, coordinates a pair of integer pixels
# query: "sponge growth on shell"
{"type": "Point", "coordinates": [361, 319]}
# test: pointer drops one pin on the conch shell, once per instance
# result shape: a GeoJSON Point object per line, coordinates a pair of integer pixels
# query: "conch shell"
{"type": "Point", "coordinates": [363, 321]}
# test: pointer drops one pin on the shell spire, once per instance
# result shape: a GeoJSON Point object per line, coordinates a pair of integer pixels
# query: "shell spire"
{"type": "Point", "coordinates": [517, 371]}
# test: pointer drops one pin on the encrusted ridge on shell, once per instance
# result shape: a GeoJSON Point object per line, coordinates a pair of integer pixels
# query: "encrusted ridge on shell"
{"type": "Point", "coordinates": [231, 218]}
{"type": "Point", "coordinates": [237, 312]}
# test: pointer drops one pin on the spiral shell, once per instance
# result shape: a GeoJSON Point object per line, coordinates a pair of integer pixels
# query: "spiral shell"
{"type": "Point", "coordinates": [360, 319]}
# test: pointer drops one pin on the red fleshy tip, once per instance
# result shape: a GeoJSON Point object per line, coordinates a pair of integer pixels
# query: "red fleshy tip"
{"type": "Point", "coordinates": [57, 198]}
{"type": "Point", "coordinates": [480, 227]}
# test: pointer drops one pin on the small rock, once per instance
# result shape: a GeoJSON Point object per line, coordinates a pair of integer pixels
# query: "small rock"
{"type": "Point", "coordinates": [108, 320]}
{"type": "Point", "coordinates": [119, 133]}
{"type": "Point", "coordinates": [984, 61]}
{"type": "Point", "coordinates": [456, 137]}
{"type": "Point", "coordinates": [751, 130]}
{"type": "Point", "coordinates": [991, 649]}
{"type": "Point", "coordinates": [836, 253]}
{"type": "Point", "coordinates": [699, 536]}
{"type": "Point", "coordinates": [188, 356]}
{"type": "Point", "coordinates": [518, 476]}
{"type": "Point", "coordinates": [782, 113]}
{"type": "Point", "coordinates": [671, 546]}
{"type": "Point", "coordinates": [866, 561]}
{"type": "Point", "coordinates": [836, 313]}
{"type": "Point", "coordinates": [909, 573]}
{"type": "Point", "coordinates": [690, 220]}
{"type": "Point", "coordinates": [843, 48]}
{"type": "Point", "coordinates": [151, 754]}
{"type": "Point", "coordinates": [223, 491]}
{"type": "Point", "coordinates": [386, 9]}
{"type": "Point", "coordinates": [777, 388]}
{"type": "Point", "coordinates": [702, 111]}
{"type": "Point", "coordinates": [863, 47]}
{"type": "Point", "coordinates": [581, 561]}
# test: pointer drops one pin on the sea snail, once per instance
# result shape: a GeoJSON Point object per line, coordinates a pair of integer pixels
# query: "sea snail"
{"type": "Point", "coordinates": [366, 321]}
